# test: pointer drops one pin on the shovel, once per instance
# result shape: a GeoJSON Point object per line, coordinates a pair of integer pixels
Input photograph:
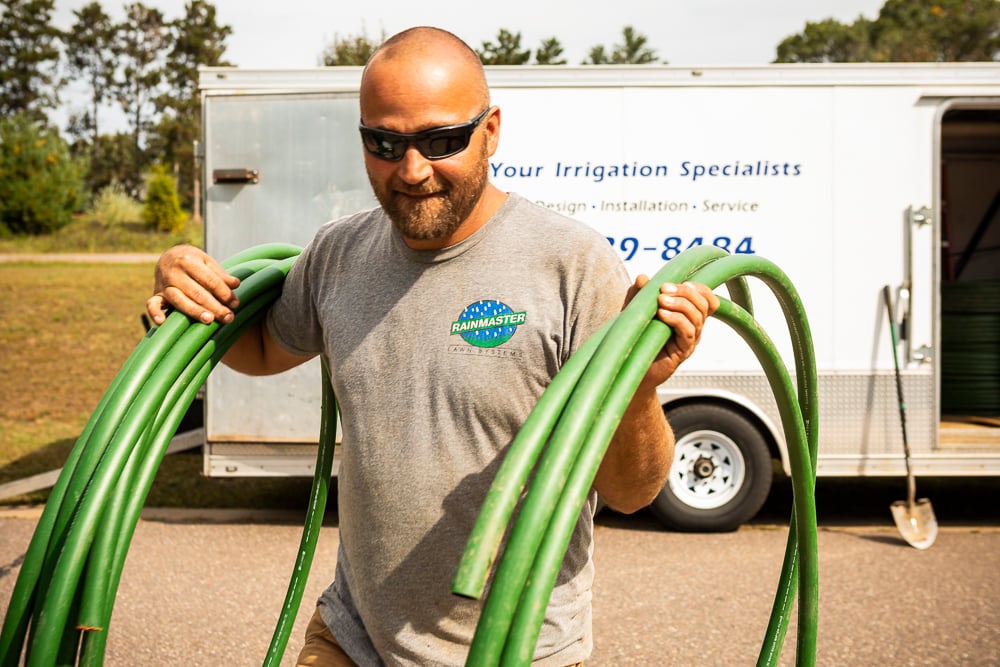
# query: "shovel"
{"type": "Point", "coordinates": [914, 518]}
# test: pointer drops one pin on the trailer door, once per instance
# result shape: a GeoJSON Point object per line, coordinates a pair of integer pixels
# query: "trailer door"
{"type": "Point", "coordinates": [969, 350]}
{"type": "Point", "coordinates": [276, 168]}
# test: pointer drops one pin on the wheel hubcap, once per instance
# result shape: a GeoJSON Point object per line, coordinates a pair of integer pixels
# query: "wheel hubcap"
{"type": "Point", "coordinates": [708, 470]}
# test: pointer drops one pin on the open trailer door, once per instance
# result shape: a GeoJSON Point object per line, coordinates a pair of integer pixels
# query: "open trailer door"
{"type": "Point", "coordinates": [969, 344]}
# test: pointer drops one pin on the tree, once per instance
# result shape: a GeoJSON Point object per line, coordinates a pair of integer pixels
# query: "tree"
{"type": "Point", "coordinates": [40, 183]}
{"type": "Point", "coordinates": [90, 55]}
{"type": "Point", "coordinates": [597, 55]}
{"type": "Point", "coordinates": [162, 210]}
{"type": "Point", "coordinates": [632, 51]}
{"type": "Point", "coordinates": [905, 31]}
{"type": "Point", "coordinates": [349, 50]}
{"type": "Point", "coordinates": [828, 41]}
{"type": "Point", "coordinates": [140, 42]}
{"type": "Point", "coordinates": [548, 53]}
{"type": "Point", "coordinates": [937, 31]}
{"type": "Point", "coordinates": [29, 57]}
{"type": "Point", "coordinates": [196, 39]}
{"type": "Point", "coordinates": [506, 51]}
{"type": "Point", "coordinates": [113, 164]}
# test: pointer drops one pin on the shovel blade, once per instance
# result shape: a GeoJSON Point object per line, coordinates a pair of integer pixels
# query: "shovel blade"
{"type": "Point", "coordinates": [916, 522]}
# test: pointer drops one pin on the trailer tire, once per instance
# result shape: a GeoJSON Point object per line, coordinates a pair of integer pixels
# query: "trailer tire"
{"type": "Point", "coordinates": [721, 474]}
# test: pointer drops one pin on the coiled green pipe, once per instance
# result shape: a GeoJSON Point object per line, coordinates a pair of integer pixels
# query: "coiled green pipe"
{"type": "Point", "coordinates": [514, 609]}
{"type": "Point", "coordinates": [314, 521]}
{"type": "Point", "coordinates": [76, 556]}
{"type": "Point", "coordinates": [73, 564]}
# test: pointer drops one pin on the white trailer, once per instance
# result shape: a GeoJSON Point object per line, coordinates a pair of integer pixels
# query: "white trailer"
{"type": "Point", "coordinates": [848, 177]}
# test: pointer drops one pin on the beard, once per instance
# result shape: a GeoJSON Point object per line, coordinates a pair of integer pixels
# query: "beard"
{"type": "Point", "coordinates": [439, 215]}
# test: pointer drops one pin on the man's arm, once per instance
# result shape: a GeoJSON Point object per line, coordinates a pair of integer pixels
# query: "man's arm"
{"type": "Point", "coordinates": [638, 459]}
{"type": "Point", "coordinates": [195, 284]}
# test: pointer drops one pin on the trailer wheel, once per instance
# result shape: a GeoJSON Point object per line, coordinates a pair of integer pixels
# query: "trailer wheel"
{"type": "Point", "coordinates": [721, 473]}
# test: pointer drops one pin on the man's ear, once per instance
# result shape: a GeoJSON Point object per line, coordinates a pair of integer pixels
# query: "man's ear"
{"type": "Point", "coordinates": [492, 130]}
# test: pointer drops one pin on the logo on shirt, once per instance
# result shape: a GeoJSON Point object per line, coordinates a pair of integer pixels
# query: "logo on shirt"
{"type": "Point", "coordinates": [487, 323]}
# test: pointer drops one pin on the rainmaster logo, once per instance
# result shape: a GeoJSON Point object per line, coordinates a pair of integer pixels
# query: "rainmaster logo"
{"type": "Point", "coordinates": [487, 323]}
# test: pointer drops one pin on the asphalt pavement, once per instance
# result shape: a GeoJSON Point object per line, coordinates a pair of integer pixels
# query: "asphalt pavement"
{"type": "Point", "coordinates": [206, 587]}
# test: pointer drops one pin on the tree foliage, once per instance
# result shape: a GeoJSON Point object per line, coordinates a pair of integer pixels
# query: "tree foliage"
{"type": "Point", "coordinates": [633, 50]}
{"type": "Point", "coordinates": [940, 31]}
{"type": "Point", "coordinates": [112, 163]}
{"type": "Point", "coordinates": [162, 210]}
{"type": "Point", "coordinates": [40, 183]}
{"type": "Point", "coordinates": [141, 41]}
{"type": "Point", "coordinates": [828, 41]}
{"type": "Point", "coordinates": [349, 50]}
{"type": "Point", "coordinates": [196, 39]}
{"type": "Point", "coordinates": [145, 63]}
{"type": "Point", "coordinates": [90, 55]}
{"type": "Point", "coordinates": [905, 31]}
{"type": "Point", "coordinates": [506, 51]}
{"type": "Point", "coordinates": [149, 66]}
{"type": "Point", "coordinates": [550, 53]}
{"type": "Point", "coordinates": [29, 58]}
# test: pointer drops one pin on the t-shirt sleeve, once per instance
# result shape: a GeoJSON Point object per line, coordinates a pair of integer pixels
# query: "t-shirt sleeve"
{"type": "Point", "coordinates": [601, 292]}
{"type": "Point", "coordinates": [292, 320]}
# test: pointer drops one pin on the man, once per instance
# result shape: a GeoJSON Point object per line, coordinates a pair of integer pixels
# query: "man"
{"type": "Point", "coordinates": [428, 405]}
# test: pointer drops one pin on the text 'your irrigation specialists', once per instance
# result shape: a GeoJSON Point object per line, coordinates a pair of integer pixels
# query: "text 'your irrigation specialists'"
{"type": "Point", "coordinates": [688, 169]}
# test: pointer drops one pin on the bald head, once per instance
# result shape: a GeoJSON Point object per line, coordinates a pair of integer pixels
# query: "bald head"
{"type": "Point", "coordinates": [425, 64]}
{"type": "Point", "coordinates": [427, 40]}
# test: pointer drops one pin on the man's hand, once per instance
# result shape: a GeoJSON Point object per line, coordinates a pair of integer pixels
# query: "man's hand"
{"type": "Point", "coordinates": [193, 283]}
{"type": "Point", "coordinates": [684, 308]}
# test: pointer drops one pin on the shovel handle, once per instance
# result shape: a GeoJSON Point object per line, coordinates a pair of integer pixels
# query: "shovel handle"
{"type": "Point", "coordinates": [911, 485]}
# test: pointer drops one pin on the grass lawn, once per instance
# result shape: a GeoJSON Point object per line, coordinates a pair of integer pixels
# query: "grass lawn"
{"type": "Point", "coordinates": [65, 330]}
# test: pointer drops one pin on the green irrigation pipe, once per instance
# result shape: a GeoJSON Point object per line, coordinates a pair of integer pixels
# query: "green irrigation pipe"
{"type": "Point", "coordinates": [61, 604]}
{"type": "Point", "coordinates": [564, 414]}
{"type": "Point", "coordinates": [75, 551]}
{"type": "Point", "coordinates": [74, 563]}
{"type": "Point", "coordinates": [512, 476]}
{"type": "Point", "coordinates": [577, 421]}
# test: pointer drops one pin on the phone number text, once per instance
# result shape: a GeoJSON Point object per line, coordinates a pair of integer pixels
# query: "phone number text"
{"type": "Point", "coordinates": [671, 246]}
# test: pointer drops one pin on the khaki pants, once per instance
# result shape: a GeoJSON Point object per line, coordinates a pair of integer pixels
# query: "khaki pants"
{"type": "Point", "coordinates": [322, 650]}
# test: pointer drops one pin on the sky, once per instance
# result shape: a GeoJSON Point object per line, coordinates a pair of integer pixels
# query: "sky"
{"type": "Point", "coordinates": [293, 33]}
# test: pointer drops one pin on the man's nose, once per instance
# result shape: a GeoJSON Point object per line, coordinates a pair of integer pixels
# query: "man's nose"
{"type": "Point", "coordinates": [414, 167]}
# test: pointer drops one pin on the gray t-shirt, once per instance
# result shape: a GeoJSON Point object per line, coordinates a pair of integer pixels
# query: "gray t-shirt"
{"type": "Point", "coordinates": [437, 358]}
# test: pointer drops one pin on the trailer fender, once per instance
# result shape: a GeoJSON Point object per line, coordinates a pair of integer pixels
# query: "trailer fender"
{"type": "Point", "coordinates": [771, 430]}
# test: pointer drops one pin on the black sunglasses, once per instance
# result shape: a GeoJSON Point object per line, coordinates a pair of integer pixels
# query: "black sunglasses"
{"type": "Point", "coordinates": [434, 144]}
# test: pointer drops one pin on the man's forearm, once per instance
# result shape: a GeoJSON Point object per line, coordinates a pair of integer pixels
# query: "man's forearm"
{"type": "Point", "coordinates": [638, 459]}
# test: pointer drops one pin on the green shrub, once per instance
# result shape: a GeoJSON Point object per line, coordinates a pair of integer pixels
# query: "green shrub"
{"type": "Point", "coordinates": [41, 185]}
{"type": "Point", "coordinates": [162, 210]}
{"type": "Point", "coordinates": [113, 207]}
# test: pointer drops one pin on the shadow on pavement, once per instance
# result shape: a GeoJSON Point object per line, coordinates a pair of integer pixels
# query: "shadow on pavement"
{"type": "Point", "coordinates": [957, 502]}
